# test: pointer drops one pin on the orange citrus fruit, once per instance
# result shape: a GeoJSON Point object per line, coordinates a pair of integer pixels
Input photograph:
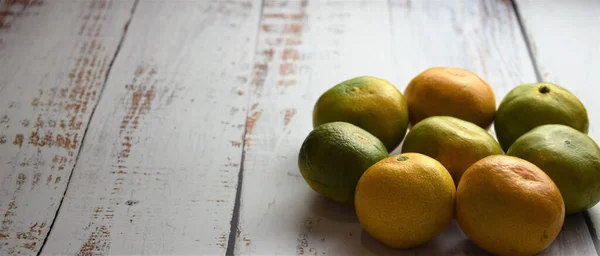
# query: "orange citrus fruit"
{"type": "Point", "coordinates": [509, 206]}
{"type": "Point", "coordinates": [455, 143]}
{"type": "Point", "coordinates": [368, 102]}
{"type": "Point", "coordinates": [446, 91]}
{"type": "Point", "coordinates": [405, 200]}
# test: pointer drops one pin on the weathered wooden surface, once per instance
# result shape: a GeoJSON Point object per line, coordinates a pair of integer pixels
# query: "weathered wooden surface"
{"type": "Point", "coordinates": [158, 171]}
{"type": "Point", "coordinates": [564, 40]}
{"type": "Point", "coordinates": [54, 58]}
{"type": "Point", "coordinates": [306, 47]}
{"type": "Point", "coordinates": [303, 48]}
{"type": "Point", "coordinates": [201, 89]}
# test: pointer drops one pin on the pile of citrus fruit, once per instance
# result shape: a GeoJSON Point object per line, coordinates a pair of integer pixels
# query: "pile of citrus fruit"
{"type": "Point", "coordinates": [508, 196]}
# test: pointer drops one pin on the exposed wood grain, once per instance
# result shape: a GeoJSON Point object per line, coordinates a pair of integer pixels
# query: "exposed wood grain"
{"type": "Point", "coordinates": [304, 47]}
{"type": "Point", "coordinates": [337, 40]}
{"type": "Point", "coordinates": [54, 58]}
{"type": "Point", "coordinates": [565, 42]}
{"type": "Point", "coordinates": [158, 171]}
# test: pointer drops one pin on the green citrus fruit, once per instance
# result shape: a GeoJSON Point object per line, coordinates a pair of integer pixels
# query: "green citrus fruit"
{"type": "Point", "coordinates": [368, 102]}
{"type": "Point", "coordinates": [530, 105]}
{"type": "Point", "coordinates": [569, 157]}
{"type": "Point", "coordinates": [455, 143]}
{"type": "Point", "coordinates": [334, 156]}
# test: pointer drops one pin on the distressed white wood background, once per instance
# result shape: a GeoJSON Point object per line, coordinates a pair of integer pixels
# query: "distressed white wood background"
{"type": "Point", "coordinates": [54, 58]}
{"type": "Point", "coordinates": [198, 109]}
{"type": "Point", "coordinates": [158, 171]}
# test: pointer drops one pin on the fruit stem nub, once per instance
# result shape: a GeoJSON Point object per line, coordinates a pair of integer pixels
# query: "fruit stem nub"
{"type": "Point", "coordinates": [544, 89]}
{"type": "Point", "coordinates": [401, 158]}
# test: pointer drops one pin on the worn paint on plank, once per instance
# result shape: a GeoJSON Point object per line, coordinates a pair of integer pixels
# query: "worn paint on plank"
{"type": "Point", "coordinates": [10, 10]}
{"type": "Point", "coordinates": [141, 93]}
{"type": "Point", "coordinates": [41, 129]}
{"type": "Point", "coordinates": [177, 156]}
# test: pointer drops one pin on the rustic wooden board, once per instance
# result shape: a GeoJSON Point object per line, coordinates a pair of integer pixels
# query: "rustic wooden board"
{"type": "Point", "coordinates": [306, 47]}
{"type": "Point", "coordinates": [54, 58]}
{"type": "Point", "coordinates": [158, 170]}
{"type": "Point", "coordinates": [565, 42]}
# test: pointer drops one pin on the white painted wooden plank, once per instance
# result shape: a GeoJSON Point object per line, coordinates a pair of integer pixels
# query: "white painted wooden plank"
{"type": "Point", "coordinates": [54, 57]}
{"type": "Point", "coordinates": [158, 170]}
{"type": "Point", "coordinates": [565, 41]}
{"type": "Point", "coordinates": [335, 40]}
{"type": "Point", "coordinates": [304, 47]}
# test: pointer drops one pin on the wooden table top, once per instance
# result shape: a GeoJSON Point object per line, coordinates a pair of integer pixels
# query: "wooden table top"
{"type": "Point", "coordinates": [173, 126]}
